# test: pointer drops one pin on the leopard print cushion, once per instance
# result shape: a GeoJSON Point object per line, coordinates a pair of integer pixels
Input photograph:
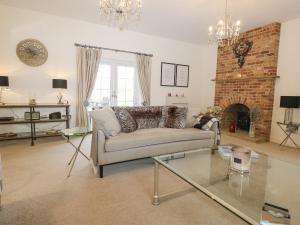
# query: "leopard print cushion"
{"type": "Point", "coordinates": [145, 116]}
{"type": "Point", "coordinates": [127, 122]}
{"type": "Point", "coordinates": [173, 117]}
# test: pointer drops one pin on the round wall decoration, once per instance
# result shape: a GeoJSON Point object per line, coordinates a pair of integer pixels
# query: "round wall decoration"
{"type": "Point", "coordinates": [32, 52]}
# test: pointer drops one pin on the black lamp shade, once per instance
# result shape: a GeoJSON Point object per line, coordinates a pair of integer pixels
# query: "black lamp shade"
{"type": "Point", "coordinates": [59, 83]}
{"type": "Point", "coordinates": [290, 102]}
{"type": "Point", "coordinates": [4, 81]}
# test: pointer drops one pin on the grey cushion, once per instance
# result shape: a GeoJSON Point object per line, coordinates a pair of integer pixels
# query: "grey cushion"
{"type": "Point", "coordinates": [146, 137]}
{"type": "Point", "coordinates": [106, 120]}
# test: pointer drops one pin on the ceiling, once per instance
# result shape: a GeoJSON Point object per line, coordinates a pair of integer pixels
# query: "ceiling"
{"type": "Point", "coordinates": [184, 20]}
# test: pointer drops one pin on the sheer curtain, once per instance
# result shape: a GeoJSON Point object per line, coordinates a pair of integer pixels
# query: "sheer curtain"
{"type": "Point", "coordinates": [88, 60]}
{"type": "Point", "coordinates": [144, 75]}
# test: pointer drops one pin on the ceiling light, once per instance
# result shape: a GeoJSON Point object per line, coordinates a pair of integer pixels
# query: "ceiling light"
{"type": "Point", "coordinates": [226, 32]}
{"type": "Point", "coordinates": [120, 12]}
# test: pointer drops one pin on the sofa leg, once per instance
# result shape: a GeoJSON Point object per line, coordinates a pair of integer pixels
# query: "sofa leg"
{"type": "Point", "coordinates": [100, 171]}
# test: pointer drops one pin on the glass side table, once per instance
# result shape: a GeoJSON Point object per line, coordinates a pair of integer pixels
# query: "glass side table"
{"type": "Point", "coordinates": [75, 132]}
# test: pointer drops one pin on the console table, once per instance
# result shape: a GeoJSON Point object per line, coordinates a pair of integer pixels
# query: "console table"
{"type": "Point", "coordinates": [33, 134]}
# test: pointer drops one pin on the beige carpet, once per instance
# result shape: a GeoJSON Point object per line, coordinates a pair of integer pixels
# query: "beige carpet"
{"type": "Point", "coordinates": [37, 191]}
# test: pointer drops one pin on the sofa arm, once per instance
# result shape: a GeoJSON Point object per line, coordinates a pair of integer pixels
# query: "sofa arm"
{"type": "Point", "coordinates": [97, 146]}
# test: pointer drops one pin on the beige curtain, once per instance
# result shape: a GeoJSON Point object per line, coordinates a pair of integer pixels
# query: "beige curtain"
{"type": "Point", "coordinates": [144, 75]}
{"type": "Point", "coordinates": [88, 60]}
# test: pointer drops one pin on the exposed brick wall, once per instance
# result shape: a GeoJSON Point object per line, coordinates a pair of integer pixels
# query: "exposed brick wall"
{"type": "Point", "coordinates": [256, 85]}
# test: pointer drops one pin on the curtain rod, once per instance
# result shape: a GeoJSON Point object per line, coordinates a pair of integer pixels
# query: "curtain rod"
{"type": "Point", "coordinates": [112, 49]}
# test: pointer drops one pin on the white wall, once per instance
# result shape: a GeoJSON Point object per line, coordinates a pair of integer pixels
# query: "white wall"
{"type": "Point", "coordinates": [289, 72]}
{"type": "Point", "coordinates": [59, 35]}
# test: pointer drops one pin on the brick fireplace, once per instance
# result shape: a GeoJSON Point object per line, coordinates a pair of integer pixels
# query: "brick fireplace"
{"type": "Point", "coordinates": [241, 89]}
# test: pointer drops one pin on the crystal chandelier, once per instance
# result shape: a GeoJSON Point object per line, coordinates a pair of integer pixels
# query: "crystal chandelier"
{"type": "Point", "coordinates": [226, 31]}
{"type": "Point", "coordinates": [120, 12]}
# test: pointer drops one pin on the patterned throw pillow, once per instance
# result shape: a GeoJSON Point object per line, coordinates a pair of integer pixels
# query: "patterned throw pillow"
{"type": "Point", "coordinates": [127, 122]}
{"type": "Point", "coordinates": [173, 117]}
{"type": "Point", "coordinates": [147, 116]}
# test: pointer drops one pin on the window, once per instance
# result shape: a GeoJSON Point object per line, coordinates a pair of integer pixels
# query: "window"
{"type": "Point", "coordinates": [116, 84]}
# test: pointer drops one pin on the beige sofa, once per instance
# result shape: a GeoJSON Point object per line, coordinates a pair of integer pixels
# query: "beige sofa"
{"type": "Point", "coordinates": [144, 143]}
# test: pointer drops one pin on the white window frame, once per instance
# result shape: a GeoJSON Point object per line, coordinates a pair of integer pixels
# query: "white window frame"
{"type": "Point", "coordinates": [114, 63]}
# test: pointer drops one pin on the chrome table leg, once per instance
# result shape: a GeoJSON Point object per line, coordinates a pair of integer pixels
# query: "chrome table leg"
{"type": "Point", "coordinates": [77, 151]}
{"type": "Point", "coordinates": [156, 178]}
{"type": "Point", "coordinates": [73, 162]}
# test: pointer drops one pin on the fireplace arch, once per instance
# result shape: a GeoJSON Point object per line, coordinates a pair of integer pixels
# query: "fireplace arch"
{"type": "Point", "coordinates": [237, 114]}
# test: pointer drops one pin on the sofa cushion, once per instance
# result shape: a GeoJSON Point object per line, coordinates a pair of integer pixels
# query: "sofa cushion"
{"type": "Point", "coordinates": [173, 117]}
{"type": "Point", "coordinates": [127, 122]}
{"type": "Point", "coordinates": [145, 116]}
{"type": "Point", "coordinates": [147, 137]}
{"type": "Point", "coordinates": [106, 120]}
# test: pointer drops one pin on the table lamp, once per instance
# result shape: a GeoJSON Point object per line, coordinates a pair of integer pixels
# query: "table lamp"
{"type": "Point", "coordinates": [60, 84]}
{"type": "Point", "coordinates": [289, 103]}
{"type": "Point", "coordinates": [4, 84]}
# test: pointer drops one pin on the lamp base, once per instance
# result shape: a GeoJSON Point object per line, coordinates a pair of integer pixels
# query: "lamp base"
{"type": "Point", "coordinates": [60, 97]}
{"type": "Point", "coordinates": [1, 94]}
{"type": "Point", "coordinates": [288, 116]}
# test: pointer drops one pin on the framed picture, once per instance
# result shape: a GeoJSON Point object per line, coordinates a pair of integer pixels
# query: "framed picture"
{"type": "Point", "coordinates": [182, 75]}
{"type": "Point", "coordinates": [168, 74]}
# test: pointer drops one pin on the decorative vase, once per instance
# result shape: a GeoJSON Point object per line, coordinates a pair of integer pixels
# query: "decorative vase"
{"type": "Point", "coordinates": [232, 128]}
{"type": "Point", "coordinates": [252, 130]}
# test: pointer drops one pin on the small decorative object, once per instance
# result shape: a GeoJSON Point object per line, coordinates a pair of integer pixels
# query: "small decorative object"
{"type": "Point", "coordinates": [120, 12]}
{"type": "Point", "coordinates": [60, 84]}
{"type": "Point", "coordinates": [4, 84]}
{"type": "Point", "coordinates": [168, 74]}
{"type": "Point", "coordinates": [34, 115]}
{"type": "Point", "coordinates": [214, 111]}
{"type": "Point", "coordinates": [6, 135]}
{"type": "Point", "coordinates": [32, 52]}
{"type": "Point", "coordinates": [292, 128]}
{"type": "Point", "coordinates": [241, 50]}
{"type": "Point", "coordinates": [232, 127]}
{"type": "Point", "coordinates": [169, 94]}
{"type": "Point", "coordinates": [252, 130]}
{"type": "Point", "coordinates": [7, 118]}
{"type": "Point", "coordinates": [32, 101]}
{"type": "Point", "coordinates": [55, 115]}
{"type": "Point", "coordinates": [182, 75]}
{"type": "Point", "coordinates": [254, 117]}
{"type": "Point", "coordinates": [240, 160]}
{"type": "Point", "coordinates": [176, 95]}
{"type": "Point", "coordinates": [272, 215]}
{"type": "Point", "coordinates": [226, 31]}
{"type": "Point", "coordinates": [53, 132]}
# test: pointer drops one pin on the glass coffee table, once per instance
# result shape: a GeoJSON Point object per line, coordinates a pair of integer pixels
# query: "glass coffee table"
{"type": "Point", "coordinates": [270, 181]}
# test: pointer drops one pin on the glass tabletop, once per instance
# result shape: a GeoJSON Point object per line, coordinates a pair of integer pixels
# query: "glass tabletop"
{"type": "Point", "coordinates": [270, 181]}
{"type": "Point", "coordinates": [76, 131]}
